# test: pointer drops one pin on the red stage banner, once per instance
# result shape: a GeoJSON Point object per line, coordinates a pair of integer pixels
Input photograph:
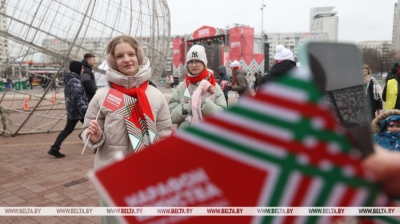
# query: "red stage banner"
{"type": "Point", "coordinates": [235, 47]}
{"type": "Point", "coordinates": [178, 52]}
{"type": "Point", "coordinates": [248, 44]}
{"type": "Point", "coordinates": [204, 32]}
{"type": "Point", "coordinates": [225, 56]}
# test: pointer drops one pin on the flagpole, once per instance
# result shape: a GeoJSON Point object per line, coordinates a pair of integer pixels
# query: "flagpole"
{"type": "Point", "coordinates": [87, 140]}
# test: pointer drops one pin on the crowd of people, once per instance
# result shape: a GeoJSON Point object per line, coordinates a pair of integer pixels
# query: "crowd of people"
{"type": "Point", "coordinates": [201, 93]}
{"type": "Point", "coordinates": [11, 82]}
{"type": "Point", "coordinates": [385, 107]}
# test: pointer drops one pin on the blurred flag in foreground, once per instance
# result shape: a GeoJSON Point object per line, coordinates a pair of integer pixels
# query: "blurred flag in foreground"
{"type": "Point", "coordinates": [279, 148]}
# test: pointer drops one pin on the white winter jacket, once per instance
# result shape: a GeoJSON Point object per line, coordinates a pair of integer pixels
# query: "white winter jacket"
{"type": "Point", "coordinates": [115, 136]}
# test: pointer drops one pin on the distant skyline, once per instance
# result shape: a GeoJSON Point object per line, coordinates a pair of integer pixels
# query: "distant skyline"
{"type": "Point", "coordinates": [359, 20]}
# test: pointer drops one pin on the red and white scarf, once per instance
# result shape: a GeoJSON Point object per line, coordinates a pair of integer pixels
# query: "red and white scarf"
{"type": "Point", "coordinates": [139, 120]}
{"type": "Point", "coordinates": [205, 75]}
{"type": "Point", "coordinates": [188, 92]}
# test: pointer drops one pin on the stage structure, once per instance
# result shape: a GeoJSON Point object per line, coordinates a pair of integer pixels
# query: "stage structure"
{"type": "Point", "coordinates": [41, 37]}
{"type": "Point", "coordinates": [223, 46]}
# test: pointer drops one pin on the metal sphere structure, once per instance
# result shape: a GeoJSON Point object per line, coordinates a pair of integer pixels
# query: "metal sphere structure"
{"type": "Point", "coordinates": [55, 32]}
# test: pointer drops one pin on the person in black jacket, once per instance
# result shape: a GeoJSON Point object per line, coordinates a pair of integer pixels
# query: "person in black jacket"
{"type": "Point", "coordinates": [223, 76]}
{"type": "Point", "coordinates": [284, 63]}
{"type": "Point", "coordinates": [87, 79]}
{"type": "Point", "coordinates": [76, 103]}
{"type": "Point", "coordinates": [392, 73]}
{"type": "Point", "coordinates": [30, 80]}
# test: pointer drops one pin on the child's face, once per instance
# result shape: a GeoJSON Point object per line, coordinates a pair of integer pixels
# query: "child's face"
{"type": "Point", "coordinates": [393, 128]}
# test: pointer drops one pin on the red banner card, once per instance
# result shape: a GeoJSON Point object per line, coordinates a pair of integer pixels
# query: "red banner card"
{"type": "Point", "coordinates": [210, 179]}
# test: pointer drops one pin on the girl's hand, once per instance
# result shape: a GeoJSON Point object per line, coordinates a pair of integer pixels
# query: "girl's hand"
{"type": "Point", "coordinates": [94, 131]}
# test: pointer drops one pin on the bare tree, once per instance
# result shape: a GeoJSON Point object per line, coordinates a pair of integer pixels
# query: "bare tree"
{"type": "Point", "coordinates": [392, 57]}
{"type": "Point", "coordinates": [384, 59]}
{"type": "Point", "coordinates": [379, 60]}
{"type": "Point", "coordinates": [371, 58]}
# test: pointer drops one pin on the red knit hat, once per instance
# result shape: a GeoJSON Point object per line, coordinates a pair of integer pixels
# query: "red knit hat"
{"type": "Point", "coordinates": [393, 123]}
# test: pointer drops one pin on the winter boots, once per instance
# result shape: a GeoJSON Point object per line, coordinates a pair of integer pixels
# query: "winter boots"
{"type": "Point", "coordinates": [55, 152]}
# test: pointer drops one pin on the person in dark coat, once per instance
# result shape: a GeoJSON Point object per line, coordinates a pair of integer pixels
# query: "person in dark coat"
{"type": "Point", "coordinates": [76, 103]}
{"type": "Point", "coordinates": [30, 78]}
{"type": "Point", "coordinates": [392, 73]}
{"type": "Point", "coordinates": [87, 78]}
{"type": "Point", "coordinates": [284, 63]}
{"type": "Point", "coordinates": [258, 79]}
{"type": "Point", "coordinates": [222, 75]}
{"type": "Point", "coordinates": [373, 91]}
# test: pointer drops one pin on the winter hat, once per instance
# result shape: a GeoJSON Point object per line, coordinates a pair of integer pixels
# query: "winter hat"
{"type": "Point", "coordinates": [197, 52]}
{"type": "Point", "coordinates": [392, 123]}
{"type": "Point", "coordinates": [396, 64]}
{"type": "Point", "coordinates": [75, 67]}
{"type": "Point", "coordinates": [283, 53]}
{"type": "Point", "coordinates": [235, 64]}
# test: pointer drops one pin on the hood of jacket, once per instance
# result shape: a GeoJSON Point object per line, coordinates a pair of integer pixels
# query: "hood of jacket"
{"type": "Point", "coordinates": [378, 124]}
{"type": "Point", "coordinates": [223, 70]}
{"type": "Point", "coordinates": [393, 70]}
{"type": "Point", "coordinates": [69, 76]}
{"type": "Point", "coordinates": [143, 75]}
{"type": "Point", "coordinates": [86, 64]}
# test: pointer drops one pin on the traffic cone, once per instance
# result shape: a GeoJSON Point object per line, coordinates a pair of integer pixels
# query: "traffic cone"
{"type": "Point", "coordinates": [52, 99]}
{"type": "Point", "coordinates": [26, 106]}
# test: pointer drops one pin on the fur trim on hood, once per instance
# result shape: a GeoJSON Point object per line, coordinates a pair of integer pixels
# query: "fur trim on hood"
{"type": "Point", "coordinates": [375, 125]}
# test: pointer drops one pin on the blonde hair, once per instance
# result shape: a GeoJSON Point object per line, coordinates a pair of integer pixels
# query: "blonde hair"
{"type": "Point", "coordinates": [123, 39]}
{"type": "Point", "coordinates": [367, 68]}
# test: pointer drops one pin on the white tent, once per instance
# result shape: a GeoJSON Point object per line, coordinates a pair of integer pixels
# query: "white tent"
{"type": "Point", "coordinates": [101, 78]}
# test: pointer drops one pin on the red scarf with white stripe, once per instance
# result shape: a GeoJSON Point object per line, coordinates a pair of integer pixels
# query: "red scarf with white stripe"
{"type": "Point", "coordinates": [141, 115]}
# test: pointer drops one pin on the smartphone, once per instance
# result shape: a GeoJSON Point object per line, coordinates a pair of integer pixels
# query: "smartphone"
{"type": "Point", "coordinates": [336, 69]}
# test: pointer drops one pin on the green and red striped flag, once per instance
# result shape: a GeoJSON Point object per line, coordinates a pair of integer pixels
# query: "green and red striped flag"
{"type": "Point", "coordinates": [287, 126]}
{"type": "Point", "coordinates": [280, 148]}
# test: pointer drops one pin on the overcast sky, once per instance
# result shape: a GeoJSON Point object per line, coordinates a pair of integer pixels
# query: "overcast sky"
{"type": "Point", "coordinates": [359, 20]}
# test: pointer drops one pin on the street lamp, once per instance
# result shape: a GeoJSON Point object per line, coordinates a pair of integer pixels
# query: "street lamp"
{"type": "Point", "coordinates": [262, 28]}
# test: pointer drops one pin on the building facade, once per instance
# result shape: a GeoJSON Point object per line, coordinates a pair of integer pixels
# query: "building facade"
{"type": "Point", "coordinates": [95, 46]}
{"type": "Point", "coordinates": [168, 69]}
{"type": "Point", "coordinates": [4, 53]}
{"type": "Point", "coordinates": [324, 19]}
{"type": "Point", "coordinates": [396, 27]}
{"type": "Point", "coordinates": [383, 45]}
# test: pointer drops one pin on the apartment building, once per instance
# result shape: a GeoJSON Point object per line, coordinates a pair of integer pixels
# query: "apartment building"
{"type": "Point", "coordinates": [324, 19]}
